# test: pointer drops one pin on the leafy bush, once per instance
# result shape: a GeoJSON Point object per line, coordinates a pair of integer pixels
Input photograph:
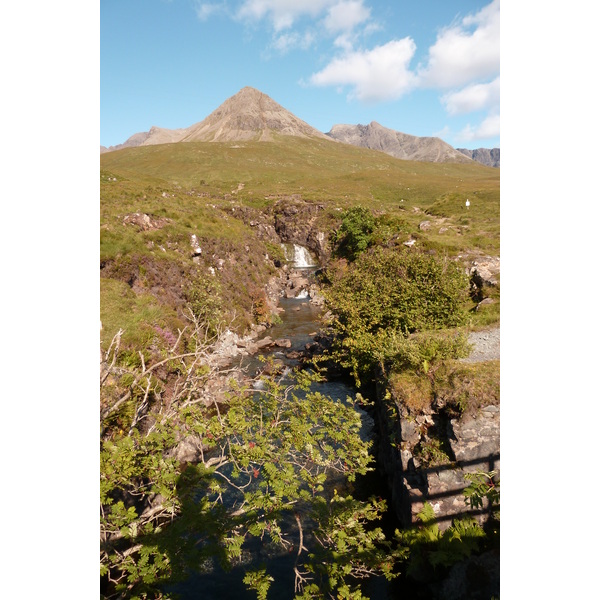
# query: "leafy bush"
{"type": "Point", "coordinates": [398, 289]}
{"type": "Point", "coordinates": [387, 294]}
{"type": "Point", "coordinates": [354, 234]}
{"type": "Point", "coordinates": [205, 301]}
{"type": "Point", "coordinates": [432, 551]}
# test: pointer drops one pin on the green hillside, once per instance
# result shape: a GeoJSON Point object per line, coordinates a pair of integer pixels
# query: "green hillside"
{"type": "Point", "coordinates": [195, 188]}
{"type": "Point", "coordinates": [190, 251]}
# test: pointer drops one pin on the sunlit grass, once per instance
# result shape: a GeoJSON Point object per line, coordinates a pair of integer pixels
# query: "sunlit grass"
{"type": "Point", "coordinates": [203, 189]}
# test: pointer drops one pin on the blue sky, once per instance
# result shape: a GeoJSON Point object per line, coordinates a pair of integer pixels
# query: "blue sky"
{"type": "Point", "coordinates": [427, 68]}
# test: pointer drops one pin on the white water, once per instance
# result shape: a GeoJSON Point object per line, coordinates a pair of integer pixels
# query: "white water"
{"type": "Point", "coordinates": [299, 256]}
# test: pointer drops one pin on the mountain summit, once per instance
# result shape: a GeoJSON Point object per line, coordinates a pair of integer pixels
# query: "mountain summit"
{"type": "Point", "coordinates": [249, 115]}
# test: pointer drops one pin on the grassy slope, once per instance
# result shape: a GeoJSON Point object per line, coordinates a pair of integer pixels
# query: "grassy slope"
{"type": "Point", "coordinates": [196, 185]}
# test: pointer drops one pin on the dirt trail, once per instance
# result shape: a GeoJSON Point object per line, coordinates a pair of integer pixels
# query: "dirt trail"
{"type": "Point", "coordinates": [486, 346]}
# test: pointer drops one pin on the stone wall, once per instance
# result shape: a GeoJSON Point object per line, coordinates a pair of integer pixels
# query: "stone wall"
{"type": "Point", "coordinates": [473, 443]}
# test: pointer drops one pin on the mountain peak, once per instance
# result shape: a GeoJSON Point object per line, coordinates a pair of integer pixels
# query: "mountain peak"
{"type": "Point", "coordinates": [249, 115]}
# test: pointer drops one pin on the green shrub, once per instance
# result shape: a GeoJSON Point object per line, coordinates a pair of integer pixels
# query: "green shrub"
{"type": "Point", "coordinates": [205, 301]}
{"type": "Point", "coordinates": [354, 234]}
{"type": "Point", "coordinates": [432, 453]}
{"type": "Point", "coordinates": [388, 294]}
{"type": "Point", "coordinates": [398, 289]}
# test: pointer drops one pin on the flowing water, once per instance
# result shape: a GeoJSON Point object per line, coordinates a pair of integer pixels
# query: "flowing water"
{"type": "Point", "coordinates": [299, 257]}
{"type": "Point", "coordinates": [300, 321]}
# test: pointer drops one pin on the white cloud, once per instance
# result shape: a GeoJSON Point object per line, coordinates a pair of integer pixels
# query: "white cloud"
{"type": "Point", "coordinates": [282, 13]}
{"type": "Point", "coordinates": [345, 16]}
{"type": "Point", "coordinates": [205, 10]}
{"type": "Point", "coordinates": [488, 128]}
{"type": "Point", "coordinates": [442, 133]}
{"type": "Point", "coordinates": [342, 20]}
{"type": "Point", "coordinates": [379, 74]}
{"type": "Point", "coordinates": [461, 55]}
{"type": "Point", "coordinates": [479, 96]}
{"type": "Point", "coordinates": [285, 42]}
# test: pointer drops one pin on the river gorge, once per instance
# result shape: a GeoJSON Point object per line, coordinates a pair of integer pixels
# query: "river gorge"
{"type": "Point", "coordinates": [397, 476]}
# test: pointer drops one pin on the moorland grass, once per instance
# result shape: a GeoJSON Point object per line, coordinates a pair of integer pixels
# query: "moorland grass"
{"type": "Point", "coordinates": [195, 188]}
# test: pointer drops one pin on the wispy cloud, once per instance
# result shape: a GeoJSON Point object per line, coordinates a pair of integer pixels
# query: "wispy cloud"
{"type": "Point", "coordinates": [488, 128]}
{"type": "Point", "coordinates": [205, 10]}
{"type": "Point", "coordinates": [346, 21]}
{"type": "Point", "coordinates": [346, 15]}
{"type": "Point", "coordinates": [462, 55]}
{"type": "Point", "coordinates": [379, 74]}
{"type": "Point", "coordinates": [282, 14]}
{"type": "Point", "coordinates": [284, 42]}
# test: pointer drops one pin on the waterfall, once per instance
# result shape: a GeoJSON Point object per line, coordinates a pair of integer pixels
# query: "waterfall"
{"type": "Point", "coordinates": [299, 256]}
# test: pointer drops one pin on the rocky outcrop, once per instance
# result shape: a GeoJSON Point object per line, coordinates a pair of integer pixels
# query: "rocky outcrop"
{"type": "Point", "coordinates": [486, 156]}
{"type": "Point", "coordinates": [296, 221]}
{"type": "Point", "coordinates": [144, 222]}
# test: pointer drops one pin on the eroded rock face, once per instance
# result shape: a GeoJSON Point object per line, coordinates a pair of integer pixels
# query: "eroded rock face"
{"type": "Point", "coordinates": [295, 221]}
{"type": "Point", "coordinates": [474, 442]}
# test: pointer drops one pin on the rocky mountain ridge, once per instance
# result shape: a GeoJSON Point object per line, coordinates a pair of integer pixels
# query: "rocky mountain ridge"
{"type": "Point", "coordinates": [251, 115]}
{"type": "Point", "coordinates": [486, 156]}
{"type": "Point", "coordinates": [397, 144]}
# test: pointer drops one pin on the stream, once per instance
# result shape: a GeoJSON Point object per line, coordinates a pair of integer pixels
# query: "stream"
{"type": "Point", "coordinates": [300, 322]}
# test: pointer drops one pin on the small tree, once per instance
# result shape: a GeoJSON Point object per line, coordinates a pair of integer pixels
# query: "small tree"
{"type": "Point", "coordinates": [264, 456]}
{"type": "Point", "coordinates": [355, 233]}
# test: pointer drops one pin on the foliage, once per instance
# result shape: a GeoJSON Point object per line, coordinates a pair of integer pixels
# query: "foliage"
{"type": "Point", "coordinates": [431, 549]}
{"type": "Point", "coordinates": [347, 546]}
{"type": "Point", "coordinates": [355, 232]}
{"type": "Point", "coordinates": [205, 300]}
{"type": "Point", "coordinates": [264, 456]}
{"type": "Point", "coordinates": [431, 452]}
{"type": "Point", "coordinates": [387, 294]}
{"type": "Point", "coordinates": [482, 487]}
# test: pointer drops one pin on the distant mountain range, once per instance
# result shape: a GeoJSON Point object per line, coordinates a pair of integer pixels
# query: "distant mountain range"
{"type": "Point", "coordinates": [251, 115]}
{"type": "Point", "coordinates": [394, 143]}
{"type": "Point", "coordinates": [485, 156]}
